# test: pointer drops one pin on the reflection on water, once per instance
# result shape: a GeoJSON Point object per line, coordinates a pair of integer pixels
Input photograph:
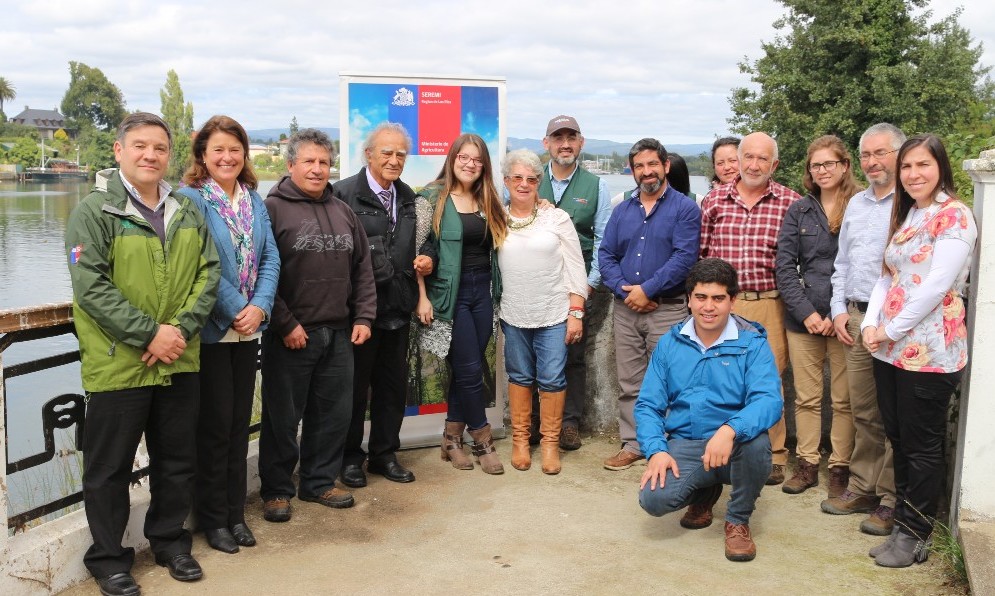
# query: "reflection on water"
{"type": "Point", "coordinates": [33, 271]}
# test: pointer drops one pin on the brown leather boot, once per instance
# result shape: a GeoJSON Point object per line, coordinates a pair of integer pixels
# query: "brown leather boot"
{"type": "Point", "coordinates": [551, 422]}
{"type": "Point", "coordinates": [452, 446]}
{"type": "Point", "coordinates": [483, 448]}
{"type": "Point", "coordinates": [839, 479]}
{"type": "Point", "coordinates": [739, 543]}
{"type": "Point", "coordinates": [806, 476]}
{"type": "Point", "coordinates": [520, 404]}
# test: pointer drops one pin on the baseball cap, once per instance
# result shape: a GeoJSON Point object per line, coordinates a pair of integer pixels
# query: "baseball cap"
{"type": "Point", "coordinates": [560, 122]}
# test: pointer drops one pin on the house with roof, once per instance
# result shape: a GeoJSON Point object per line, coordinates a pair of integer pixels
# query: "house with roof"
{"type": "Point", "coordinates": [46, 121]}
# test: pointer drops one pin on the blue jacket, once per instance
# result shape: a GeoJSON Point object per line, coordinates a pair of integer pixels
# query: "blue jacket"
{"type": "Point", "coordinates": [690, 394]}
{"type": "Point", "coordinates": [230, 300]}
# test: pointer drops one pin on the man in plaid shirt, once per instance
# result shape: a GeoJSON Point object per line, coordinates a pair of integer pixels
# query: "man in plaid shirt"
{"type": "Point", "coordinates": [740, 222]}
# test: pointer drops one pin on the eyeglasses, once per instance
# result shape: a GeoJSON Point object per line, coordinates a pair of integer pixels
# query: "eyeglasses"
{"type": "Point", "coordinates": [829, 166]}
{"type": "Point", "coordinates": [878, 155]}
{"type": "Point", "coordinates": [530, 180]}
{"type": "Point", "coordinates": [465, 159]}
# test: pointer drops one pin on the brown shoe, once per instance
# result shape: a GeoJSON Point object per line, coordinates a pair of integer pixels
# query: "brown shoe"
{"type": "Point", "coordinates": [806, 476]}
{"type": "Point", "coordinates": [276, 510]}
{"type": "Point", "coordinates": [699, 514]}
{"type": "Point", "coordinates": [879, 523]}
{"type": "Point", "coordinates": [570, 438]}
{"type": "Point", "coordinates": [520, 407]}
{"type": "Point", "coordinates": [776, 475]}
{"type": "Point", "coordinates": [335, 498]}
{"type": "Point", "coordinates": [839, 478]}
{"type": "Point", "coordinates": [483, 449]}
{"type": "Point", "coordinates": [849, 502]}
{"type": "Point", "coordinates": [452, 446]}
{"type": "Point", "coordinates": [739, 543]}
{"type": "Point", "coordinates": [622, 460]}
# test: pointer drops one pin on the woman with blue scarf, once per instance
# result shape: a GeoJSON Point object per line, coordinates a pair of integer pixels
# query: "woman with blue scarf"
{"type": "Point", "coordinates": [222, 185]}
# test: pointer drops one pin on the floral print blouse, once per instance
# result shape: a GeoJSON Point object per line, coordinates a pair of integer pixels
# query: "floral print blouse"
{"type": "Point", "coordinates": [938, 343]}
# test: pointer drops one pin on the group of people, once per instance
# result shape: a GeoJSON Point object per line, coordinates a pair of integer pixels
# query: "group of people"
{"type": "Point", "coordinates": [175, 291]}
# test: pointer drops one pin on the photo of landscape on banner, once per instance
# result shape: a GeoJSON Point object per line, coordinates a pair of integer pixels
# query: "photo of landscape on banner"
{"type": "Point", "coordinates": [434, 115]}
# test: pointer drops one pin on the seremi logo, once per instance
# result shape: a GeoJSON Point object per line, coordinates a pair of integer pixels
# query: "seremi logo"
{"type": "Point", "coordinates": [403, 97]}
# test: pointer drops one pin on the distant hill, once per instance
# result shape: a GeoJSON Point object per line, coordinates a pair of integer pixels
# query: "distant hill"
{"type": "Point", "coordinates": [602, 147]}
{"type": "Point", "coordinates": [273, 134]}
{"type": "Point", "coordinates": [596, 146]}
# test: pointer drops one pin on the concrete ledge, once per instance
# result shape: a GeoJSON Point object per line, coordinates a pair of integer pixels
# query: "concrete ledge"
{"type": "Point", "coordinates": [48, 559]}
{"type": "Point", "coordinates": [977, 539]}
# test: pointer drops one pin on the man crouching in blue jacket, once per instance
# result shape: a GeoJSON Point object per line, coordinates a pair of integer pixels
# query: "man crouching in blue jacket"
{"type": "Point", "coordinates": [706, 402]}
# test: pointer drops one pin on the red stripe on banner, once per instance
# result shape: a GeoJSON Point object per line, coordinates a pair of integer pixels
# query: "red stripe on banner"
{"type": "Point", "coordinates": [426, 409]}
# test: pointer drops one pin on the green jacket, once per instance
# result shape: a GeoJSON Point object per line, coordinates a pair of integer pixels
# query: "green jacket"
{"type": "Point", "coordinates": [446, 248]}
{"type": "Point", "coordinates": [126, 283]}
{"type": "Point", "coordinates": [580, 201]}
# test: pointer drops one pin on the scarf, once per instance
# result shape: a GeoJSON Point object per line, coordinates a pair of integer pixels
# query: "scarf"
{"type": "Point", "coordinates": [240, 226]}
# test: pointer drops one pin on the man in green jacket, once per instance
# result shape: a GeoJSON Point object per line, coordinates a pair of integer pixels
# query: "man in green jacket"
{"type": "Point", "coordinates": [145, 277]}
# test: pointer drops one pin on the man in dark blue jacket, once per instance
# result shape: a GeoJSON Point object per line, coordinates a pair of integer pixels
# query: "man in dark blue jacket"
{"type": "Point", "coordinates": [708, 397]}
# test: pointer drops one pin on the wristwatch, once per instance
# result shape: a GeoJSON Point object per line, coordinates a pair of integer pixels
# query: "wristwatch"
{"type": "Point", "coordinates": [577, 313]}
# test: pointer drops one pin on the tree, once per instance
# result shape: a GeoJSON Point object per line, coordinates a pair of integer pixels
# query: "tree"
{"type": "Point", "coordinates": [7, 93]}
{"type": "Point", "coordinates": [293, 126]}
{"type": "Point", "coordinates": [179, 118]}
{"type": "Point", "coordinates": [92, 98]}
{"type": "Point", "coordinates": [96, 147]}
{"type": "Point", "coordinates": [842, 66]}
{"type": "Point", "coordinates": [25, 152]}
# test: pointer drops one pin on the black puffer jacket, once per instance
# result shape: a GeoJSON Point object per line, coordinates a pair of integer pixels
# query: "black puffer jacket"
{"type": "Point", "coordinates": [392, 251]}
{"type": "Point", "coordinates": [806, 251]}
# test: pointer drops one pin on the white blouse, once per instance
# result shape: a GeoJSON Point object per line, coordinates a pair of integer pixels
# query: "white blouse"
{"type": "Point", "coordinates": [541, 265]}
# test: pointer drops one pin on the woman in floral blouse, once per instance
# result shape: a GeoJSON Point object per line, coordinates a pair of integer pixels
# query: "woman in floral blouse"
{"type": "Point", "coordinates": [915, 328]}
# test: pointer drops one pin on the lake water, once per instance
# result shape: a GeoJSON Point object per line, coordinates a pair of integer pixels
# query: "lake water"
{"type": "Point", "coordinates": [33, 271]}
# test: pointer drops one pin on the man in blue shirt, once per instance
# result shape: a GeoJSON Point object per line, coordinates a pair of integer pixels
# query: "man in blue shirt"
{"type": "Point", "coordinates": [711, 392]}
{"type": "Point", "coordinates": [650, 244]}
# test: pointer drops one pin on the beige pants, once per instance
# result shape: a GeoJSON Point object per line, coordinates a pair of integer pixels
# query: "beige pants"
{"type": "Point", "coordinates": [769, 312]}
{"type": "Point", "coordinates": [808, 356]}
{"type": "Point", "coordinates": [872, 469]}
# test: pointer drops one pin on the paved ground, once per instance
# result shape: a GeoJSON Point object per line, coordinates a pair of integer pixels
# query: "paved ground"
{"type": "Point", "coordinates": [581, 532]}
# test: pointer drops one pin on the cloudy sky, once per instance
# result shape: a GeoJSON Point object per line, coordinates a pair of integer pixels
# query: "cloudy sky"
{"type": "Point", "coordinates": [624, 69]}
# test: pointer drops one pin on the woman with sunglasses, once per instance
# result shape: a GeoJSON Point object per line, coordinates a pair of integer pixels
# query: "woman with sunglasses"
{"type": "Point", "coordinates": [542, 304]}
{"type": "Point", "coordinates": [806, 250]}
{"type": "Point", "coordinates": [458, 297]}
{"type": "Point", "coordinates": [916, 331]}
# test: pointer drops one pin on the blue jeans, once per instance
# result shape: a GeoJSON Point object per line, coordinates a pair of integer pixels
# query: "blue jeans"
{"type": "Point", "coordinates": [313, 383]}
{"type": "Point", "coordinates": [473, 322]}
{"type": "Point", "coordinates": [536, 356]}
{"type": "Point", "coordinates": [747, 470]}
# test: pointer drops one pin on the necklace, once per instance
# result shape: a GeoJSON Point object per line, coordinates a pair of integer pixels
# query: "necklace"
{"type": "Point", "coordinates": [518, 226]}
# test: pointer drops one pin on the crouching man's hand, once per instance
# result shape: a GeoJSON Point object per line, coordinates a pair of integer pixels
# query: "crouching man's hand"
{"type": "Point", "coordinates": [656, 470]}
{"type": "Point", "coordinates": [719, 448]}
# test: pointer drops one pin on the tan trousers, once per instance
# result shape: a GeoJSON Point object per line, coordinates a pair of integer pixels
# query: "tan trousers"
{"type": "Point", "coordinates": [872, 468]}
{"type": "Point", "coordinates": [769, 312]}
{"type": "Point", "coordinates": [636, 335]}
{"type": "Point", "coordinates": [808, 356]}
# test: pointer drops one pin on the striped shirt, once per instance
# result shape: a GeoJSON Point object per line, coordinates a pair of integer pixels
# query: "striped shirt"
{"type": "Point", "coordinates": [745, 237]}
{"type": "Point", "coordinates": [863, 237]}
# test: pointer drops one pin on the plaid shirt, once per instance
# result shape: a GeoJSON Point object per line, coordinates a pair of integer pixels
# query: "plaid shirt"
{"type": "Point", "coordinates": [746, 238]}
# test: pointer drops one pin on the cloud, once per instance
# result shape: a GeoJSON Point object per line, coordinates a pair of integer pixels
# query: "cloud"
{"type": "Point", "coordinates": [643, 68]}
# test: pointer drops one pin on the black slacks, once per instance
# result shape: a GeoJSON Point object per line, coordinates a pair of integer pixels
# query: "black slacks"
{"type": "Point", "coordinates": [115, 421]}
{"type": "Point", "coordinates": [381, 374]}
{"type": "Point", "coordinates": [227, 386]}
{"type": "Point", "coordinates": [913, 409]}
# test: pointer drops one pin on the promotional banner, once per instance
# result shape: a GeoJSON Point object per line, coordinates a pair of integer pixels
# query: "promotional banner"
{"type": "Point", "coordinates": [434, 111]}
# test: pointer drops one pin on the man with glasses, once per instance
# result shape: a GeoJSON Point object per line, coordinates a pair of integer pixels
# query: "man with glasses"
{"type": "Point", "coordinates": [386, 208]}
{"type": "Point", "coordinates": [650, 245]}
{"type": "Point", "coordinates": [584, 196]}
{"type": "Point", "coordinates": [740, 221]}
{"type": "Point", "coordinates": [862, 240]}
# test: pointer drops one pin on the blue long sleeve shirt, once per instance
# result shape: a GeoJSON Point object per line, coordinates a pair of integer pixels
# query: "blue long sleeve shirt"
{"type": "Point", "coordinates": [654, 250]}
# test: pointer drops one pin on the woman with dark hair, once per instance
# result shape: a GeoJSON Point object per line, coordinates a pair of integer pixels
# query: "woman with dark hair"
{"type": "Point", "coordinates": [678, 176]}
{"type": "Point", "coordinates": [457, 299]}
{"type": "Point", "coordinates": [725, 160]}
{"type": "Point", "coordinates": [806, 249]}
{"type": "Point", "coordinates": [222, 185]}
{"type": "Point", "coordinates": [916, 330]}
